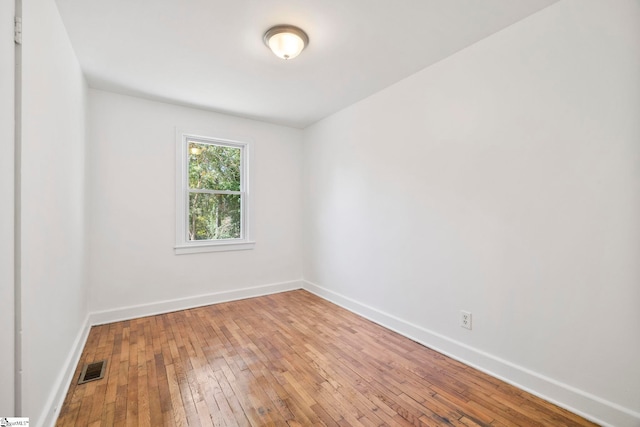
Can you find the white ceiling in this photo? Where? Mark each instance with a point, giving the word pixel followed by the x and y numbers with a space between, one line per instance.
pixel 209 53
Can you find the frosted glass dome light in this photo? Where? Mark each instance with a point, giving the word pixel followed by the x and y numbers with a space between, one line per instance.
pixel 286 41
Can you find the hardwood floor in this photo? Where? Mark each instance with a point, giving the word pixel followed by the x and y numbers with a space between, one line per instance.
pixel 286 359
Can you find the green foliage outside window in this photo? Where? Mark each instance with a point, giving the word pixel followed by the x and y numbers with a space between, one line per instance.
pixel 214 169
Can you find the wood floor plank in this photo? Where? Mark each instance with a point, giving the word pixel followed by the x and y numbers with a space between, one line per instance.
pixel 177 407
pixel 290 359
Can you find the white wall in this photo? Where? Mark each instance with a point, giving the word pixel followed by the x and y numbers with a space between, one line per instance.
pixel 131 177
pixel 6 207
pixel 52 206
pixel 504 180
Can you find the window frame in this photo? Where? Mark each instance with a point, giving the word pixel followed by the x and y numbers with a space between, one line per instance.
pixel 183 244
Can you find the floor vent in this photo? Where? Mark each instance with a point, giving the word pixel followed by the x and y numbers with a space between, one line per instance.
pixel 92 371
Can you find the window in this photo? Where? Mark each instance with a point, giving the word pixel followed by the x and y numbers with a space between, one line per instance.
pixel 211 194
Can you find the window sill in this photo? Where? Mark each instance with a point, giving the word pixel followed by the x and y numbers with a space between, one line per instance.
pixel 196 248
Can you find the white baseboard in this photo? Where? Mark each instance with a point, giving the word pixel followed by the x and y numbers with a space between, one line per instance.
pixel 577 401
pixel 52 408
pixel 135 311
pixel 54 404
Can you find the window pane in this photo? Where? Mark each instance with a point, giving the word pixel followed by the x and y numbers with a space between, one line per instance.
pixel 214 167
pixel 214 216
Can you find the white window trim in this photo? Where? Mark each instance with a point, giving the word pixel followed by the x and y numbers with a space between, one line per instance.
pixel 185 246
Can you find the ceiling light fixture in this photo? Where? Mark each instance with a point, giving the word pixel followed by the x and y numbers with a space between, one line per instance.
pixel 286 41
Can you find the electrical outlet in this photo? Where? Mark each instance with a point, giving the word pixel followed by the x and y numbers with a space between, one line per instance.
pixel 465 319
